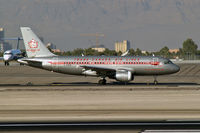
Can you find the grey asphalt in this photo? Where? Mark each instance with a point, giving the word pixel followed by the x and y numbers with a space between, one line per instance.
pixel 30 94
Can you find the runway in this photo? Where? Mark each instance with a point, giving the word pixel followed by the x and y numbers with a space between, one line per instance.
pixel 77 104
pixel 34 95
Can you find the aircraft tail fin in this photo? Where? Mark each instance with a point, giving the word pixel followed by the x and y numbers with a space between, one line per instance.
pixel 33 45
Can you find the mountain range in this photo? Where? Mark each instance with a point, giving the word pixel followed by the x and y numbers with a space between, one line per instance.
pixel 148 24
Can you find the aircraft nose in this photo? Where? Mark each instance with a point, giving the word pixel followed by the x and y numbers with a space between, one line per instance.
pixel 7 57
pixel 176 68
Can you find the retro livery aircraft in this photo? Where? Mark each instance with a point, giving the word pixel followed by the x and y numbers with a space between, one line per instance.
pixel 120 68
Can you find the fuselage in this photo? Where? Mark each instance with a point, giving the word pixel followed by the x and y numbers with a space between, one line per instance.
pixel 120 68
pixel 76 65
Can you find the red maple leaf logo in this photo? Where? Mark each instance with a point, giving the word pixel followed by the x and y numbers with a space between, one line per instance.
pixel 33 44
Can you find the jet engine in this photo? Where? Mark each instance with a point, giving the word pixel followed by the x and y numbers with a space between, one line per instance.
pixel 124 76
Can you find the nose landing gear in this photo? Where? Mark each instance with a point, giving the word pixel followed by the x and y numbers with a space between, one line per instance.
pixel 155 80
pixel 6 63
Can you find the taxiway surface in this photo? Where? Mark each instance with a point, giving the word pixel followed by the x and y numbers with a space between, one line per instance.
pixel 30 94
pixel 23 75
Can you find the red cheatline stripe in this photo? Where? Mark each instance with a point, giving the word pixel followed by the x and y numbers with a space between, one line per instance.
pixel 140 63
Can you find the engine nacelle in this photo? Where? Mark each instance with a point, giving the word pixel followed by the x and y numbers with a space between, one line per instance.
pixel 89 73
pixel 124 76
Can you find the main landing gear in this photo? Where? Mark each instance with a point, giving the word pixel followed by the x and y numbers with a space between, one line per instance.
pixel 155 80
pixel 102 81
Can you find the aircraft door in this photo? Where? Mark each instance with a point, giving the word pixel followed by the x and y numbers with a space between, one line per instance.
pixel 54 64
pixel 155 62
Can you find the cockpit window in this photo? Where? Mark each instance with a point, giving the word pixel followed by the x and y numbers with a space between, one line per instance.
pixel 7 53
pixel 168 62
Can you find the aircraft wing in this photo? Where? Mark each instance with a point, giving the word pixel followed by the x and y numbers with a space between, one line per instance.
pixel 1 58
pixel 98 69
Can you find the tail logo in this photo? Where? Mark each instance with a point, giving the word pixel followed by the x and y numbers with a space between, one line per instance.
pixel 33 44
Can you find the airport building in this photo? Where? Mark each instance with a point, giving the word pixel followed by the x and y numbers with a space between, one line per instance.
pixel 1 32
pixel 51 46
pixel 4 45
pixel 100 48
pixel 122 46
pixel 173 50
pixel 144 52
pixel 56 50
pixel 1 41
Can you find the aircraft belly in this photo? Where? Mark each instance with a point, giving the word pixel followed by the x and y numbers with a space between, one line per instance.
pixel 67 69
pixel 46 67
pixel 70 69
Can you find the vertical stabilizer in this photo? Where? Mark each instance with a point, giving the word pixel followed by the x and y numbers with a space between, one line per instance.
pixel 33 45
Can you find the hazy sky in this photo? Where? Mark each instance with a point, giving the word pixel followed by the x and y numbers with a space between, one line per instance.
pixel 148 24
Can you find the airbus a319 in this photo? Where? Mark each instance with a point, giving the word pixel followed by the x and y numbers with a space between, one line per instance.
pixel 120 68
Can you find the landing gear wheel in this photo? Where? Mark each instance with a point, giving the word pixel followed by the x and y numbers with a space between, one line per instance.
pixel 102 82
pixel 155 82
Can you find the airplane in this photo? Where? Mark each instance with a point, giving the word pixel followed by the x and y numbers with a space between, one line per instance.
pixel 120 68
pixel 12 54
